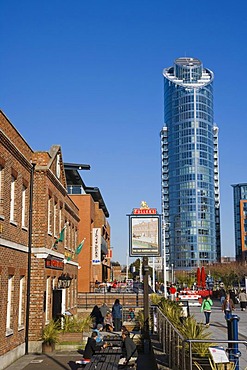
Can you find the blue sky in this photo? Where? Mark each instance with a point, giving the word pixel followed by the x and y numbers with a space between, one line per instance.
pixel 88 75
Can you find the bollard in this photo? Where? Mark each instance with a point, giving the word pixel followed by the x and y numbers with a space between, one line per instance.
pixel 146 345
pixel 232 330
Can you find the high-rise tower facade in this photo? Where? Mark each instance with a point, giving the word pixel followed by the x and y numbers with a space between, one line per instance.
pixel 240 220
pixel 190 182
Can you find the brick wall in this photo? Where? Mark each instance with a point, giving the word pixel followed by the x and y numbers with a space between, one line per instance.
pixel 15 160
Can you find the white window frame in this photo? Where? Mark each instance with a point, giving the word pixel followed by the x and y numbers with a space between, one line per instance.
pixel 1 190
pixel 55 208
pixel 9 329
pixel 49 215
pixel 24 206
pixel 12 198
pixel 21 303
pixel 47 306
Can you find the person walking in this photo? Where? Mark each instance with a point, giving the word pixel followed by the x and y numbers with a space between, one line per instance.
pixel 228 306
pixel 117 315
pixel 242 299
pixel 222 295
pixel 206 308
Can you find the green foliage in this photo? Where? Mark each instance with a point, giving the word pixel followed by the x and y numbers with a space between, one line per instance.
pixel 50 333
pixel 155 298
pixel 185 278
pixel 190 328
pixel 73 324
pixel 193 330
pixel 228 273
pixel 171 310
pixel 140 318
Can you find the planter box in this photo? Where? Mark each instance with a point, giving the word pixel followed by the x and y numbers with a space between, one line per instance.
pixel 70 337
pixel 132 325
pixel 48 348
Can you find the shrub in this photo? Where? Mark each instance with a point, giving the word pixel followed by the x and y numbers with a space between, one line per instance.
pixel 50 333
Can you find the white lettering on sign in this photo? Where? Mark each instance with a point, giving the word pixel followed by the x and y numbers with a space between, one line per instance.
pixel 96 247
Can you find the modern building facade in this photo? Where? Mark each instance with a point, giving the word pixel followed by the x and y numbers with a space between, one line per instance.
pixel 190 176
pixel 240 220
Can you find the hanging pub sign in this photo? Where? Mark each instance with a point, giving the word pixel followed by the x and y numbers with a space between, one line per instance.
pixel 96 246
pixel 145 232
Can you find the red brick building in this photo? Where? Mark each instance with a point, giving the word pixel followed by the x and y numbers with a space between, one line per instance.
pixel 94 231
pixel 38 242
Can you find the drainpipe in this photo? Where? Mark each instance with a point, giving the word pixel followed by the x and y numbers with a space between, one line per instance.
pixel 30 223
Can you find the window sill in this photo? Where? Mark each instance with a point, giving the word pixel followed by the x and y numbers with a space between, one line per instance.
pixel 24 228
pixel 14 223
pixel 2 217
pixel 21 327
pixel 9 332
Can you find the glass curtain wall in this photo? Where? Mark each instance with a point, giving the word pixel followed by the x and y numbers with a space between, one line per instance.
pixel 188 192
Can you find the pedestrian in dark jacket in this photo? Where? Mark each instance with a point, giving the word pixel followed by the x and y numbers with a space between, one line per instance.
pixel 222 294
pixel 91 346
pixel 130 351
pixel 96 316
pixel 117 315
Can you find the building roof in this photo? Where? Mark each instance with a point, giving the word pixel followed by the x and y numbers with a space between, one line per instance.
pixel 74 178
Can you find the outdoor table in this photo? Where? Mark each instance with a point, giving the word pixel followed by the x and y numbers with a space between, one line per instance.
pixel 115 340
pixel 107 359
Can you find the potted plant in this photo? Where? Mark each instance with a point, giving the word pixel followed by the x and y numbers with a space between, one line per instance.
pixel 50 336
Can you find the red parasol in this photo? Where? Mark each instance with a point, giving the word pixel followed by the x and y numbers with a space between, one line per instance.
pixel 203 277
pixel 198 277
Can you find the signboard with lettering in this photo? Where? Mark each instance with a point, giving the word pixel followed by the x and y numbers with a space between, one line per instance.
pixel 144 231
pixel 96 247
pixel 54 263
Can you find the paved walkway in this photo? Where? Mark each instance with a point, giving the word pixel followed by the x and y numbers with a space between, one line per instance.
pixel 66 360
pixel 218 327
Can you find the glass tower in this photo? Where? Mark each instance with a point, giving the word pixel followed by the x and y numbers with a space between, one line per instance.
pixel 189 151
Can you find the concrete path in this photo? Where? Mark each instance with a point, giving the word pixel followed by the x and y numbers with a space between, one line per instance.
pixel 66 361
pixel 218 327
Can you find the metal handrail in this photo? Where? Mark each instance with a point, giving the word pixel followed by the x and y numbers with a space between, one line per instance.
pixel 174 344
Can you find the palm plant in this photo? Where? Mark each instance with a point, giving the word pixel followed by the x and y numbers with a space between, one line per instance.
pixel 77 325
pixel 171 310
pixel 155 298
pixel 50 333
pixel 192 330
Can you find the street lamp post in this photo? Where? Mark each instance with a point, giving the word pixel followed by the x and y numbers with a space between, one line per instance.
pixel 153 275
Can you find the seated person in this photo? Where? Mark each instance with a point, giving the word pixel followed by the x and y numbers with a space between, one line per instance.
pixel 90 349
pixel 129 349
pixel 108 323
pixel 99 339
